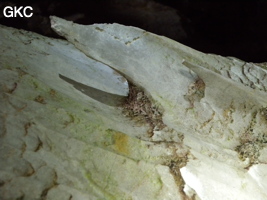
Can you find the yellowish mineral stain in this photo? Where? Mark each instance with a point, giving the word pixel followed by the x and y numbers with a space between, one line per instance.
pixel 121 143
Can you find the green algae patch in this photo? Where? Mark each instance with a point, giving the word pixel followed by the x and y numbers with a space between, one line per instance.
pixel 99 191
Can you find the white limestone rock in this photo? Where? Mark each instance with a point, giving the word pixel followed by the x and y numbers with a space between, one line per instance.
pixel 192 127
pixel 218 104
pixel 59 143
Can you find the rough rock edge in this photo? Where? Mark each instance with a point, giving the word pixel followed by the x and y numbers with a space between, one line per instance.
pixel 250 143
pixel 139 108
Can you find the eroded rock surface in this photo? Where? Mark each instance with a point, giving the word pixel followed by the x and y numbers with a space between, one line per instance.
pixel 192 127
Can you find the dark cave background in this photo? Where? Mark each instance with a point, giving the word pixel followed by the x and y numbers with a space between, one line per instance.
pixel 229 28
